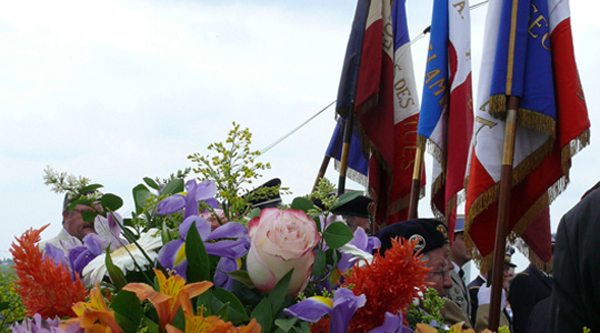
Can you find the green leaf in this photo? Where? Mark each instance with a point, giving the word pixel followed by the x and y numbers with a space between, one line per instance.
pixel 237 313
pixel 141 194
pixel 174 186
pixel 165 236
pixel 4 306
pixel 116 275
pixel 320 265
pixel 152 326
pixel 243 277
pixel 111 202
pixel 337 234
pixel 317 220
pixel 277 294
pixel 88 216
pixel 128 311
pixel 90 188
pixel 223 312
pixel 345 198
pixel 198 269
pixel 263 314
pixel 150 182
pixel 286 324
pixel 254 213
pixel 302 204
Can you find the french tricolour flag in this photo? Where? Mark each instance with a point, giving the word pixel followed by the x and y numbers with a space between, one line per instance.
pixel 529 54
pixel 446 120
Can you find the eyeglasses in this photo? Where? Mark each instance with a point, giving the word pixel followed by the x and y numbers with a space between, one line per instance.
pixel 443 273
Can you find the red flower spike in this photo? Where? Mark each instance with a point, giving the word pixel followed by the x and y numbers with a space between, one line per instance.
pixel 45 288
pixel 390 284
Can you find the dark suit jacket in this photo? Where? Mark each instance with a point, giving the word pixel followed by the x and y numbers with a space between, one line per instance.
pixel 526 290
pixel 576 294
pixel 473 290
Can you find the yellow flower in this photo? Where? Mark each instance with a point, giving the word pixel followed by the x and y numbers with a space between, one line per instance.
pixel 212 324
pixel 173 293
pixel 95 316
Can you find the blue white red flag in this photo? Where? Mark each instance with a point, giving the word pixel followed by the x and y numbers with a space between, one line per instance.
pixel 528 54
pixel 358 163
pixel 385 103
pixel 446 119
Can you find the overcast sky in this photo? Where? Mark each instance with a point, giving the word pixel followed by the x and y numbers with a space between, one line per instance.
pixel 120 90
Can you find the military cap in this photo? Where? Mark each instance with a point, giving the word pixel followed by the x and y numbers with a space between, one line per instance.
pixel 430 234
pixel 360 206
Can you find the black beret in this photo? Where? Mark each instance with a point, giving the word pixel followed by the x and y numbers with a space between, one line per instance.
pixel 360 206
pixel 430 234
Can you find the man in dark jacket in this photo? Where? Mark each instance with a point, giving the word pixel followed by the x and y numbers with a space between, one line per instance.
pixel 576 294
pixel 526 290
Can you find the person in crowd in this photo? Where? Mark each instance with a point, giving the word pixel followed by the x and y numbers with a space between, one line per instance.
pixel 459 256
pixel 507 275
pixel 433 243
pixel 357 213
pixel 526 290
pixel 576 292
pixel 73 225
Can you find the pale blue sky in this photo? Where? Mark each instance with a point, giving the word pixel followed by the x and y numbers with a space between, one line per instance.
pixel 120 90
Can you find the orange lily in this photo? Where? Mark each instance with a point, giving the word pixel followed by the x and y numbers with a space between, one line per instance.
pixel 173 294
pixel 213 324
pixel 95 316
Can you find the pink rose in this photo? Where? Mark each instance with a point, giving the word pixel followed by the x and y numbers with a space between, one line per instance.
pixel 281 240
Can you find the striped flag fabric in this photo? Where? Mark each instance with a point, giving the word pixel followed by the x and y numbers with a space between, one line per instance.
pixel 384 101
pixel 528 54
pixel 358 160
pixel 446 118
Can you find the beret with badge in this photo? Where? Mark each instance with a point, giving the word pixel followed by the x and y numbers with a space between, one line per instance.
pixel 430 234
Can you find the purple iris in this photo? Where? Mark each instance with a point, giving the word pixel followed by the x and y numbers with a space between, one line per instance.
pixel 340 309
pixel 195 193
pixel 361 241
pixel 392 324
pixel 108 232
pixel 229 241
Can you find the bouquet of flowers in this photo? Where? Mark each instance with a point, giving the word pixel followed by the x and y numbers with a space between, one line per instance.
pixel 187 262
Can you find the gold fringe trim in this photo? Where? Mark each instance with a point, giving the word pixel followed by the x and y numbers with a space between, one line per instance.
pixel 525 118
pixel 498 106
pixel 536 121
pixel 574 147
pixel 531 162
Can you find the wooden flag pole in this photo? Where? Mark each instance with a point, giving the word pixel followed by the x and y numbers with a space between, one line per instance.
pixel 413 204
pixel 322 171
pixel 348 125
pixel 503 212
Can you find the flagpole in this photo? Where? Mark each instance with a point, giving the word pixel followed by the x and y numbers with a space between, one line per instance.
pixel 503 212
pixel 322 171
pixel 413 204
pixel 348 124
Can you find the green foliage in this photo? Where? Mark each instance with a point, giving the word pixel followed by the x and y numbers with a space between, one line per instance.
pixel 233 165
pixel 433 304
pixel 13 311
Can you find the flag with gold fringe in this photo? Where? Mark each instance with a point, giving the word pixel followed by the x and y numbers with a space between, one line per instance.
pixel 446 118
pixel 528 54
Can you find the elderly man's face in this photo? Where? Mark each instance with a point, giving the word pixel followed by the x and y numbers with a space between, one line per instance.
pixel 74 224
pixel 439 276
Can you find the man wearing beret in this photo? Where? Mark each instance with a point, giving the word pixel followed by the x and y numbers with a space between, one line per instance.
pixel 432 241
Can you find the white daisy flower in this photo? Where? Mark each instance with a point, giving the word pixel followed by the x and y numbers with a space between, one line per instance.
pixel 123 257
